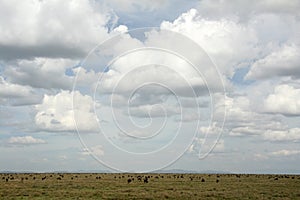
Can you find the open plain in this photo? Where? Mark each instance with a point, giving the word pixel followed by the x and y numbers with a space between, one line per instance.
pixel 148 186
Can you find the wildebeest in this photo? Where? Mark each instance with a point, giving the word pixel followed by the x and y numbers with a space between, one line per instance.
pixel 146 180
pixel 139 178
pixel 129 180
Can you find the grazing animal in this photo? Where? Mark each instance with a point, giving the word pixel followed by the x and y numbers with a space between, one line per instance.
pixel 129 180
pixel 146 180
pixel 43 178
pixel 139 178
pixel 202 180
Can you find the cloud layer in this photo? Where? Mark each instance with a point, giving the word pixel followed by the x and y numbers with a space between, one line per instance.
pixel 48 89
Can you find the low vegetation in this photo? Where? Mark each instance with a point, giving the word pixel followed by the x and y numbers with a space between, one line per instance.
pixel 149 186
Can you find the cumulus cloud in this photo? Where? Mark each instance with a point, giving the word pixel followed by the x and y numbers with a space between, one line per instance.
pixel 158 68
pixel 268 43
pixel 46 28
pixel 245 131
pixel 41 73
pixel 96 151
pixel 244 119
pixel 40 44
pixel 288 135
pixel 25 140
pixel 280 154
pixel 14 94
pixel 283 62
pixel 284 100
pixel 85 78
pixel 56 113
pixel 238 111
pixel 227 35
pixel 213 129
pixel 13 90
pixel 200 145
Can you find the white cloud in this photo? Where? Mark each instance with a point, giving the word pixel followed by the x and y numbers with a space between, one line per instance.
pixel 120 29
pixel 285 152
pixel 281 154
pixel 238 111
pixel 244 131
pixel 57 114
pixel 169 71
pixel 268 43
pixel 14 94
pixel 156 110
pixel 48 73
pixel 25 140
pixel 219 38
pixel 245 118
pixel 245 9
pixel 289 135
pixel 132 5
pixel 213 129
pixel 283 62
pixel 96 151
pixel 200 145
pixel 285 100
pixel 85 78
pixel 8 90
pixel 51 28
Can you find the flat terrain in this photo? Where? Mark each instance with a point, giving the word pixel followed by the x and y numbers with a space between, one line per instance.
pixel 155 186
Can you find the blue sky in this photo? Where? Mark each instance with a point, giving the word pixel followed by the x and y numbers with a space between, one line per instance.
pixel 215 86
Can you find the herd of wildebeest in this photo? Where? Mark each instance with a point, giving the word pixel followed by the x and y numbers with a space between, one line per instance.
pixel 129 178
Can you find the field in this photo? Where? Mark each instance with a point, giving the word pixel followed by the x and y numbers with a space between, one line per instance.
pixel 149 186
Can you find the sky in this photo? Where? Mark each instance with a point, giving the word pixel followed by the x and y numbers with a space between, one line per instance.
pixel 138 86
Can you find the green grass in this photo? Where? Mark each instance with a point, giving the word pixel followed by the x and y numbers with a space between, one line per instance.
pixel 160 186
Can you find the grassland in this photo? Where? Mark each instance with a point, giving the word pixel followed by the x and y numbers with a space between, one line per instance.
pixel 155 186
